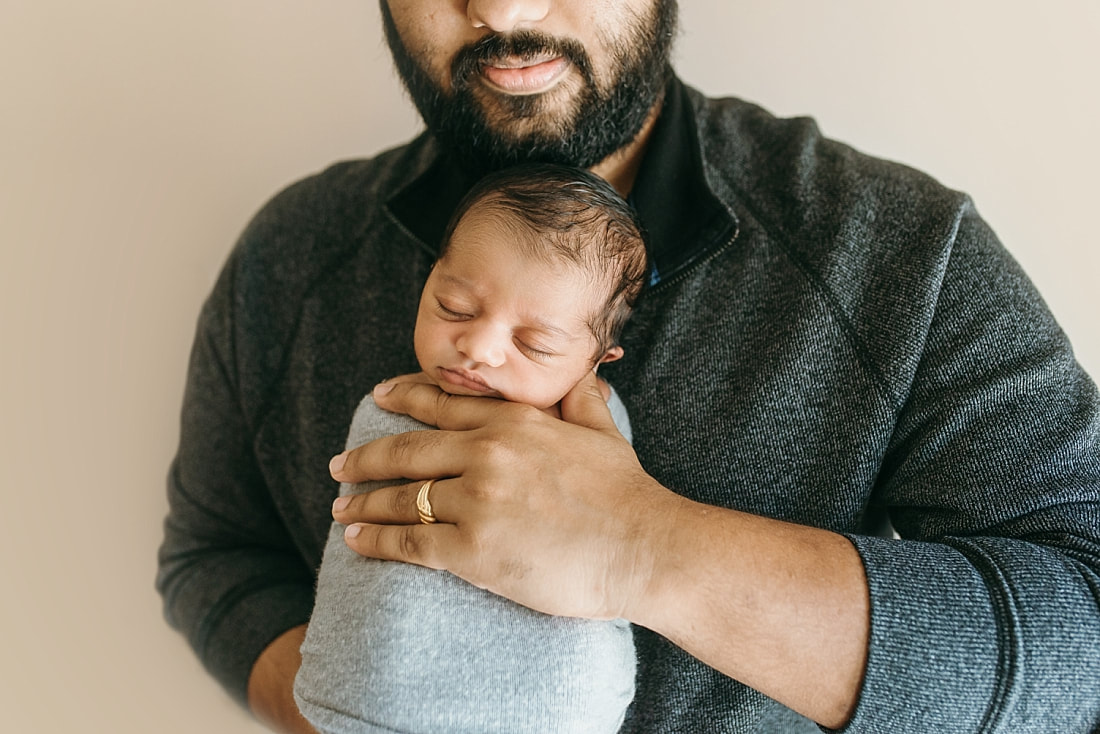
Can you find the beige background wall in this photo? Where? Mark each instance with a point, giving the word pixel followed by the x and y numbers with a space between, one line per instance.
pixel 137 137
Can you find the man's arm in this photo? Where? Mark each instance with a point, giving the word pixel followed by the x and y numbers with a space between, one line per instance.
pixel 778 606
pixel 230 576
pixel 271 684
pixel 969 630
pixel 985 614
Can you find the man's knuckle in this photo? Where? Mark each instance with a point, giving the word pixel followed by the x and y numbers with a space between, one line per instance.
pixel 479 492
pixel 413 545
pixel 398 503
pixel 442 405
pixel 401 447
pixel 524 413
pixel 494 449
pixel 351 462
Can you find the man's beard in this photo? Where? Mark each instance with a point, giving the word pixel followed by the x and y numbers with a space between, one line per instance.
pixel 600 121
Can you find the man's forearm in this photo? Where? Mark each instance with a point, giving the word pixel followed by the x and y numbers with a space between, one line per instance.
pixel 780 607
pixel 271 684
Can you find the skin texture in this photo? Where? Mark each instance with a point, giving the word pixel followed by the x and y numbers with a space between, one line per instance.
pixel 557 514
pixel 497 323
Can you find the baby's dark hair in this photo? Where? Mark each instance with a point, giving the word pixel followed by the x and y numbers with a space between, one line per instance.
pixel 572 215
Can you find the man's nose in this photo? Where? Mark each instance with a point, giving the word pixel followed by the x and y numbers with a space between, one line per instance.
pixel 482 344
pixel 505 16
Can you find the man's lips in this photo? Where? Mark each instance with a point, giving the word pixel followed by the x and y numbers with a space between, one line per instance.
pixel 524 76
pixel 465 379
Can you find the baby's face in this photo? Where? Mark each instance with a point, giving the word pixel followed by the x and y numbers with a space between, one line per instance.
pixel 495 322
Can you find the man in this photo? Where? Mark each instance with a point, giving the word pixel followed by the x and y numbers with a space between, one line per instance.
pixel 829 341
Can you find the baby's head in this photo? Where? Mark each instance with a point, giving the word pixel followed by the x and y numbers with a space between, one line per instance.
pixel 537 275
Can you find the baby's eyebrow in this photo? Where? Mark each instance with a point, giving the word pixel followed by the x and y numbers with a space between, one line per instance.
pixel 550 329
pixel 455 280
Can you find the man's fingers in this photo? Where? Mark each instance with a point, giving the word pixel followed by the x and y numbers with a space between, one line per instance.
pixel 424 545
pixel 423 454
pixel 412 377
pixel 428 404
pixel 396 505
pixel 413 455
pixel 585 405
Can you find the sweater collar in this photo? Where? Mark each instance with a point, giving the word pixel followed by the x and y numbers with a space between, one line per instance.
pixel 682 215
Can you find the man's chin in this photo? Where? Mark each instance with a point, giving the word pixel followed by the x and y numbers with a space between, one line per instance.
pixel 485 130
pixel 520 117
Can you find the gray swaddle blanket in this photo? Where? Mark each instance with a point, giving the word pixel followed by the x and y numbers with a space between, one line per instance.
pixel 393 647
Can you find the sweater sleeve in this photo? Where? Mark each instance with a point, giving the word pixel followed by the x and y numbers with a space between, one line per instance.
pixel 230 577
pixel 985 615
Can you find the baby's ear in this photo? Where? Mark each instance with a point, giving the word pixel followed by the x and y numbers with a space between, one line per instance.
pixel 615 353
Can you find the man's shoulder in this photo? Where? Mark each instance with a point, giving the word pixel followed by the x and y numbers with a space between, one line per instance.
pixel 316 225
pixel 751 149
pixel 300 246
pixel 330 207
pixel 872 236
pixel 805 189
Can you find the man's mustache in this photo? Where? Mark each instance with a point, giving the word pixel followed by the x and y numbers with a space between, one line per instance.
pixel 522 44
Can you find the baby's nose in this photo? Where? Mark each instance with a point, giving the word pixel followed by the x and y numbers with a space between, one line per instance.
pixel 483 345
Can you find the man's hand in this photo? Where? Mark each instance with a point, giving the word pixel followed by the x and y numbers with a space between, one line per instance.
pixel 550 513
pixel 558 515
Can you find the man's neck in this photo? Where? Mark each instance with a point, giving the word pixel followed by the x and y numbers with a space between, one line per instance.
pixel 620 169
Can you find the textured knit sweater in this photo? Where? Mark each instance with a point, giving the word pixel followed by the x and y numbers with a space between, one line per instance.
pixel 835 340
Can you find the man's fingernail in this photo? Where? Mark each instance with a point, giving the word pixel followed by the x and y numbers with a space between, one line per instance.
pixel 352 531
pixel 337 463
pixel 341 504
pixel 382 388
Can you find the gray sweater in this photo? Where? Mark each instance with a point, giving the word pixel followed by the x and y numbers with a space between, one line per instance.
pixel 835 340
pixel 392 647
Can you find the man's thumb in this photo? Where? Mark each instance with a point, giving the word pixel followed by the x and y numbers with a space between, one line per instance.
pixel 586 404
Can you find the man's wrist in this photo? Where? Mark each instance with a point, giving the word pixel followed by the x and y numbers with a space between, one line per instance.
pixel 652 556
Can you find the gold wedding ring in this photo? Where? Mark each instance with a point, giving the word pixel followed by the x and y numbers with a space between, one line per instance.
pixel 423 506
